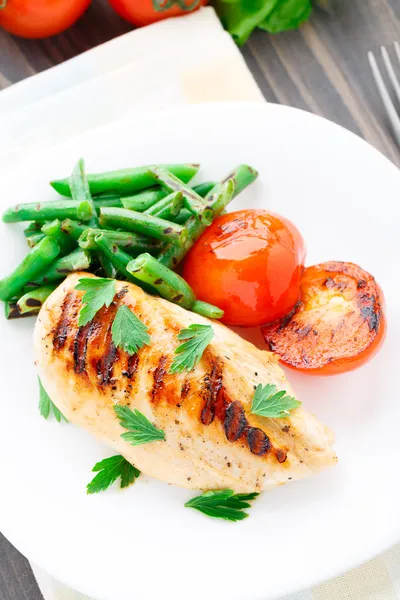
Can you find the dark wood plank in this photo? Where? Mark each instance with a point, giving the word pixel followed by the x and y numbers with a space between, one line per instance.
pixel 322 69
pixel 16 578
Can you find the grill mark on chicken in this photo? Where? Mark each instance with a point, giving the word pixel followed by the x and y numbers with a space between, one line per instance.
pixel 158 377
pixel 81 341
pixel 212 386
pixel 132 366
pixel 107 353
pixel 110 357
pixel 62 327
pixel 258 441
pixel 235 421
pixel 185 388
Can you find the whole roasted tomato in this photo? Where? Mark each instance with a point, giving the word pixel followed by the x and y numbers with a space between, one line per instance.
pixel 249 263
pixel 144 12
pixel 40 18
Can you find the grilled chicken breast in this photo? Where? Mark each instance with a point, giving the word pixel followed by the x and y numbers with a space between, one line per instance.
pixel 212 439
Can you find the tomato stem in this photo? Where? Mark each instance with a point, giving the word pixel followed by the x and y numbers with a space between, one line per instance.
pixel 3 4
pixel 162 5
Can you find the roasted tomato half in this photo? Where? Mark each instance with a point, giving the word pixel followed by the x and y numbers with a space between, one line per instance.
pixel 337 325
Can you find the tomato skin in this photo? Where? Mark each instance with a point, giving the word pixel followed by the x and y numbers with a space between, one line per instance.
pixel 249 263
pixel 338 325
pixel 40 18
pixel 143 12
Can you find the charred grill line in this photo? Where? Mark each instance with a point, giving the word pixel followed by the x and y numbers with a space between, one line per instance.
pixel 258 441
pixel 132 367
pixel 185 388
pixel 158 376
pixel 61 331
pixel 212 386
pixel 110 357
pixel 235 421
pixel 80 346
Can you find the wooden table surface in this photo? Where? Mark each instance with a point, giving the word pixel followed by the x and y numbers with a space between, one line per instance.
pixel 322 69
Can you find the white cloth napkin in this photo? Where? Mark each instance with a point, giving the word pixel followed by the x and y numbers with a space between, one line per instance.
pixel 175 62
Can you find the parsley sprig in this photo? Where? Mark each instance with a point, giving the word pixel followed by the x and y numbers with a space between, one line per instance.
pixel 99 292
pixel 108 471
pixel 46 406
pixel 128 331
pixel 222 504
pixel 140 429
pixel 268 402
pixel 190 352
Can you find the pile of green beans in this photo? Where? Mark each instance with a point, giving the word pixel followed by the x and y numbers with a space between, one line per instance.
pixel 134 224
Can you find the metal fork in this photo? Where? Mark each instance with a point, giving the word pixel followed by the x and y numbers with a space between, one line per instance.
pixel 382 89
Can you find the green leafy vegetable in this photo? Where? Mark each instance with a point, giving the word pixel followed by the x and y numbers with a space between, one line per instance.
pixel 268 402
pixel 99 292
pixel 241 17
pixel 46 406
pixel 140 429
pixel 108 471
pixel 128 332
pixel 190 352
pixel 222 504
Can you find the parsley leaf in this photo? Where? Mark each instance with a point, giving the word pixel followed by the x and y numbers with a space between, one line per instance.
pixel 109 470
pixel 46 406
pixel 140 429
pixel 128 332
pixel 268 402
pixel 98 292
pixel 222 504
pixel 190 352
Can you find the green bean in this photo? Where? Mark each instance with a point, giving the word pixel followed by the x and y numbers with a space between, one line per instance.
pixel 33 300
pixel 33 265
pixel 131 242
pixel 192 201
pixel 80 189
pixel 119 259
pixel 183 216
pixel 109 269
pixel 65 241
pixel 34 239
pixel 171 256
pixel 203 188
pixel 73 228
pixel 167 208
pixel 106 200
pixel 143 200
pixel 32 228
pixel 130 220
pixel 126 181
pixel 218 198
pixel 167 283
pixel 47 211
pixel 207 310
pixel 78 260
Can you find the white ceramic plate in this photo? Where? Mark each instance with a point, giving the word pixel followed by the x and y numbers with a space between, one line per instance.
pixel 141 542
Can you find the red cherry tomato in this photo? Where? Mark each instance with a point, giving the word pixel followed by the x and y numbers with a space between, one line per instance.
pixel 40 18
pixel 337 326
pixel 145 12
pixel 249 263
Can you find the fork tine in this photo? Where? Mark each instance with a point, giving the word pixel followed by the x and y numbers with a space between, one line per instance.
pixel 390 71
pixel 386 99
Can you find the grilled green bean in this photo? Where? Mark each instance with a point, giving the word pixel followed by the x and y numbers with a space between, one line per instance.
pixel 167 208
pixel 172 256
pixel 130 220
pixel 192 200
pixel 80 189
pixel 32 228
pixel 33 300
pixel 33 265
pixel 65 241
pixel 131 242
pixel 34 239
pixel 73 228
pixel 207 310
pixel 126 181
pixel 144 200
pixel 78 260
pixel 167 283
pixel 48 211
